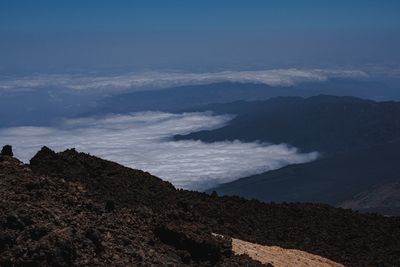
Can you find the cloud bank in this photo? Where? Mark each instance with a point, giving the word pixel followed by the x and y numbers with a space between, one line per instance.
pixel 143 141
pixel 158 80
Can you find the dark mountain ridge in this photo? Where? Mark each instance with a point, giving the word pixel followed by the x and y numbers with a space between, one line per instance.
pixel 328 124
pixel 71 208
pixel 359 141
pixel 333 179
pixel 188 96
pixel 46 106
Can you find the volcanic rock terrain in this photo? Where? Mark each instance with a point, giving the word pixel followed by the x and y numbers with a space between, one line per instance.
pixel 74 209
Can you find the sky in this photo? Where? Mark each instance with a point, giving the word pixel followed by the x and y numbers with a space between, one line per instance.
pixel 197 35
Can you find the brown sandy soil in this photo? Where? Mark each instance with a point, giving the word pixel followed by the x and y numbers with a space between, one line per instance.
pixel 280 257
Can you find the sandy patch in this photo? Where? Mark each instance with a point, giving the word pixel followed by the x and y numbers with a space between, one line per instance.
pixel 280 257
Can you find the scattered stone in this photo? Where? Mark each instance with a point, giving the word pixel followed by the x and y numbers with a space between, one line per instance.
pixel 13 222
pixel 95 236
pixel 62 255
pixel 110 206
pixel 37 233
pixel 202 247
pixel 214 194
pixel 5 240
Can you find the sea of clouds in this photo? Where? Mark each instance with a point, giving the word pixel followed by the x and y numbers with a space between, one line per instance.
pixel 144 141
pixel 158 80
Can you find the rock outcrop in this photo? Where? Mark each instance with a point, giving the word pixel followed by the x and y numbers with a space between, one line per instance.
pixel 7 151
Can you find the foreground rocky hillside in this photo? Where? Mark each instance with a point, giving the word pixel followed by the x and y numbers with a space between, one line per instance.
pixel 71 208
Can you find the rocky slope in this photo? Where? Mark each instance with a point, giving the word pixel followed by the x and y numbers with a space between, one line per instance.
pixel 333 180
pixel 384 199
pixel 61 222
pixel 71 208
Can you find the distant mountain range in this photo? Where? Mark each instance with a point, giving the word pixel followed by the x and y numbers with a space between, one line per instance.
pixel 183 97
pixel 359 141
pixel 48 105
pixel 327 124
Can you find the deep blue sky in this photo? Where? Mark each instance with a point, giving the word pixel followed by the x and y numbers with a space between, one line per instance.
pixel 56 35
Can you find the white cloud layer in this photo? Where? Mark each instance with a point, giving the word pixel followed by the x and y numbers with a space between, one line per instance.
pixel 143 141
pixel 157 80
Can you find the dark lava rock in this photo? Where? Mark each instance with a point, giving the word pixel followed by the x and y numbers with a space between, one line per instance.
pixel 38 233
pixel 58 219
pixel 62 255
pixel 110 206
pixel 5 240
pixel 7 151
pixel 52 213
pixel 13 222
pixel 202 247
pixel 95 236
